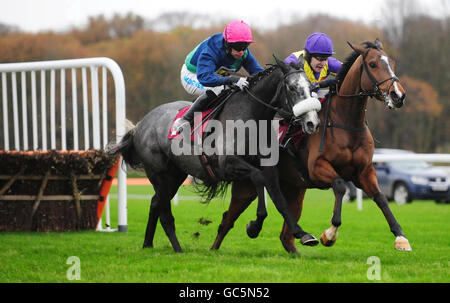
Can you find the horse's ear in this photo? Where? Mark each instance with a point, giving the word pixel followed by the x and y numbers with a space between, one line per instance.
pixel 284 67
pixel 378 44
pixel 357 48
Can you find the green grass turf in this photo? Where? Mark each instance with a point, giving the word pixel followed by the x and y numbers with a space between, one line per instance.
pixel 119 257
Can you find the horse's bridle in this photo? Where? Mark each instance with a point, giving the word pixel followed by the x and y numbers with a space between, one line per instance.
pixel 285 114
pixel 377 93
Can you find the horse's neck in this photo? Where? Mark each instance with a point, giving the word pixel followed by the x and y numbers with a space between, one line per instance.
pixel 266 91
pixel 351 111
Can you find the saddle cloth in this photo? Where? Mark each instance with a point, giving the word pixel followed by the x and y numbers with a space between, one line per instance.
pixel 199 131
pixel 297 137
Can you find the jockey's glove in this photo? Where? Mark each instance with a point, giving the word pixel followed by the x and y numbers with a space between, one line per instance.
pixel 328 83
pixel 240 82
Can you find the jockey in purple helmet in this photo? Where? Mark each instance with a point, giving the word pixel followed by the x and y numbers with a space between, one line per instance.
pixel 207 68
pixel 318 65
pixel 316 58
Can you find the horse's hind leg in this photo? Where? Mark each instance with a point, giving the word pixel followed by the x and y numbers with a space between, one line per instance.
pixel 242 194
pixel 166 185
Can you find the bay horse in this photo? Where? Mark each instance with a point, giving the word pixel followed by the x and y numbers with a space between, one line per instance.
pixel 341 151
pixel 280 88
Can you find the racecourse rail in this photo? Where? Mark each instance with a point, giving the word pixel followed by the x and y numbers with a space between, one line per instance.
pixel 91 116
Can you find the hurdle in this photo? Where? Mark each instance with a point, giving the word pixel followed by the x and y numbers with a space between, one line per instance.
pixel 67 134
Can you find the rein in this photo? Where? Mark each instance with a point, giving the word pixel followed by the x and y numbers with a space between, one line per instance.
pixel 284 114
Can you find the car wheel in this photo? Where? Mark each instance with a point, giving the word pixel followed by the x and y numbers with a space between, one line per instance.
pixel 401 194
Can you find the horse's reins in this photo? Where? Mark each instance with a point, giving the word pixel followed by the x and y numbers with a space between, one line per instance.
pixel 377 93
pixel 284 114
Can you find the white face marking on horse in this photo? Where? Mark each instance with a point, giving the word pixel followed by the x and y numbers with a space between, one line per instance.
pixel 385 59
pixel 304 84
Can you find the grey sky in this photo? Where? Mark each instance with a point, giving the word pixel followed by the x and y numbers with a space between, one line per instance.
pixel 39 15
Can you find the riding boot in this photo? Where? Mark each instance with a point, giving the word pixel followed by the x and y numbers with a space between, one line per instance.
pixel 198 106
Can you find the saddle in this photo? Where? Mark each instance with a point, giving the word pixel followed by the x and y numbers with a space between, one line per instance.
pixel 198 128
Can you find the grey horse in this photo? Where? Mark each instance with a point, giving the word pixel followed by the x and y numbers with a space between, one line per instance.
pixel 280 88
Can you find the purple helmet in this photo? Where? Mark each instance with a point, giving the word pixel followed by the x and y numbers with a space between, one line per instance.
pixel 319 43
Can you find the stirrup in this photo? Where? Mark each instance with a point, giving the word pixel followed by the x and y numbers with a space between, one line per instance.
pixel 180 124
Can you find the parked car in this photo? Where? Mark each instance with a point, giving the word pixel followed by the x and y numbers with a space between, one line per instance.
pixel 405 181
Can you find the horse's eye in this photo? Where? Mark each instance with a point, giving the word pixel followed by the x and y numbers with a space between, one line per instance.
pixel 372 64
pixel 291 88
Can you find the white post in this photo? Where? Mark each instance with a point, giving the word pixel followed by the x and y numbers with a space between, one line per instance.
pixel 5 112
pixel 52 111
pixel 85 109
pixel 43 111
pixel 95 108
pixel 359 198
pixel 175 199
pixel 75 109
pixel 34 110
pixel 63 109
pixel 24 111
pixel 15 112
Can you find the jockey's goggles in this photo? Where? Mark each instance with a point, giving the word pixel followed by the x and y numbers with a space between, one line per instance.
pixel 239 46
pixel 320 57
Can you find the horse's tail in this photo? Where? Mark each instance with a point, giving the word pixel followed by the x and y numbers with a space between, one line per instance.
pixel 126 146
pixel 210 189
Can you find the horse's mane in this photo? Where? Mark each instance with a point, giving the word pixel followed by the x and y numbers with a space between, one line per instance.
pixel 348 62
pixel 254 79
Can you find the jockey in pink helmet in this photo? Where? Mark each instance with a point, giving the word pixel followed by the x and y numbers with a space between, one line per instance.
pixel 207 67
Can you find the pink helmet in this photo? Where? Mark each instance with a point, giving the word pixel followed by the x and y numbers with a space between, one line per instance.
pixel 237 31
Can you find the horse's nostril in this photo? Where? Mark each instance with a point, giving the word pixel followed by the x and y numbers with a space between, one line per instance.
pixel 309 124
pixel 394 96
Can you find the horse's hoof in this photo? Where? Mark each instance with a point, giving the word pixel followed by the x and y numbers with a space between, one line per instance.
pixel 309 240
pixel 329 236
pixel 325 241
pixel 253 230
pixel 147 245
pixel 402 244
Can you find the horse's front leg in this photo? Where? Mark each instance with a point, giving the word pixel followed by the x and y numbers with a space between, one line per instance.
pixel 369 183
pixel 242 194
pixel 254 227
pixel 324 172
pixel 329 236
pixel 271 180
pixel 294 195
